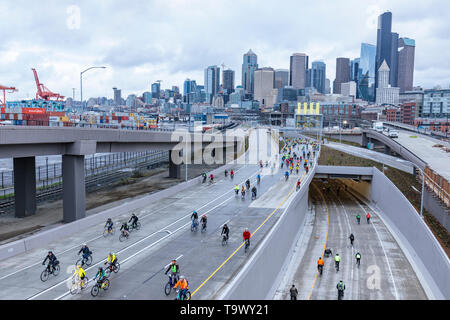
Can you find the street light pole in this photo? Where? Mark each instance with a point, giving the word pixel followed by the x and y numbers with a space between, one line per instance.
pixel 81 82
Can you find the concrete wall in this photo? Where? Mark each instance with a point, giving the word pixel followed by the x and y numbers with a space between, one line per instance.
pixel 356 138
pixel 424 252
pixel 363 188
pixel 262 270
pixel 439 211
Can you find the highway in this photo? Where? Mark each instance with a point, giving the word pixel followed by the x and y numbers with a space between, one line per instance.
pixel 165 234
pixel 384 272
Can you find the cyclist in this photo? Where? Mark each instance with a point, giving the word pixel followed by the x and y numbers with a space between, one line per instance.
pixel 320 265
pixel 247 183
pixel 246 235
pixel 79 272
pixel 298 184
pixel 184 287
pixel 236 189
pixel 211 178
pixel 341 287
pixel 125 229
pixel 86 252
pixel 358 218
pixel 135 219
pixel 203 220
pixel 296 168
pixel 368 217
pixel 194 218
pixel 204 177
pixel 109 224
pixel 352 238
pixel 225 231
pixel 286 174
pixel 101 276
pixel 358 258
pixel 337 259
pixel 258 178
pixel 174 268
pixel 112 259
pixel 243 191
pixel 232 174
pixel 226 173
pixel 254 190
pixel 52 261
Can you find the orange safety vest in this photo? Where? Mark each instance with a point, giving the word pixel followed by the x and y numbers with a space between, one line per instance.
pixel 320 262
pixel 183 284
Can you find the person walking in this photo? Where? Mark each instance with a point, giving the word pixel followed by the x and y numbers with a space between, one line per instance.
pixel 294 292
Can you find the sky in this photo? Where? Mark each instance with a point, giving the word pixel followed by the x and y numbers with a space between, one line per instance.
pixel 141 41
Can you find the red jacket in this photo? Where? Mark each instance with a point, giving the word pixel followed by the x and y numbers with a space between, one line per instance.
pixel 246 235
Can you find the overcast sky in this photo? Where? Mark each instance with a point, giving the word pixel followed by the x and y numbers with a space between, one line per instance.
pixel 141 41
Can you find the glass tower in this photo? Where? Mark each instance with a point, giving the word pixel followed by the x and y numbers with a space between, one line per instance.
pixel 249 65
pixel 366 81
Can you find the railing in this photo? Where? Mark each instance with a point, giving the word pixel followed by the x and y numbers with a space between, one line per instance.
pixel 438 184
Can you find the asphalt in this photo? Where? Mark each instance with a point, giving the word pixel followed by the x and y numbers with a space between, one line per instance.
pixel 384 273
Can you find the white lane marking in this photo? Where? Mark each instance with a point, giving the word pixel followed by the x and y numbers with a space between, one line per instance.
pixel 99 237
pixel 382 247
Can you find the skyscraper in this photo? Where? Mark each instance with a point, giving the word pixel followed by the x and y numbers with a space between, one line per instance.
pixel 156 90
pixel 297 70
pixel 366 81
pixel 386 94
pixel 281 78
pixel 117 96
pixel 405 75
pixel 264 84
pixel 342 74
pixel 228 81
pixel 387 44
pixel 212 82
pixel 318 75
pixel 249 65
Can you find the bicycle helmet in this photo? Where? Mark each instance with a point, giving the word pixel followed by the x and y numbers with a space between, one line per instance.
pixel 195 212
pixel 50 252
pixel 181 277
pixel 100 269
pixel 84 245
pixel 204 215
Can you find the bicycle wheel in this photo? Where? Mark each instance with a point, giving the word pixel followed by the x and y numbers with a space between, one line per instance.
pixel 107 272
pixel 79 262
pixel 224 241
pixel 188 295
pixel 88 261
pixel 74 288
pixel 56 270
pixel 106 284
pixel 94 290
pixel 116 268
pixel 44 275
pixel 84 283
pixel 138 225
pixel 105 233
pixel 122 238
pixel 168 288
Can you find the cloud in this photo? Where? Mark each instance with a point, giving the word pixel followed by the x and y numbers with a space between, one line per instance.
pixel 143 41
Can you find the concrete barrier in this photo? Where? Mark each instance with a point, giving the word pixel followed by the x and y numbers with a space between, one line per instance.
pixel 424 252
pixel 259 277
pixel 44 237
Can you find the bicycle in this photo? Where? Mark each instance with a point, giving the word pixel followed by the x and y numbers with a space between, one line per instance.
pixel 194 226
pixel 224 240
pixel 340 294
pixel 358 262
pixel 112 268
pixel 54 270
pixel 336 265
pixel 203 227
pixel 133 226
pixel 84 261
pixel 253 195
pixel 78 284
pixel 97 287
pixel 108 232
pixel 243 195
pixel 123 236
pixel 169 285
pixel 187 295
pixel 247 245
pixel 320 267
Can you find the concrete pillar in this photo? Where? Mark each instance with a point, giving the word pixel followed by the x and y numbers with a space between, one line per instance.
pixel 24 186
pixel 387 150
pixel 74 190
pixel 365 140
pixel 174 169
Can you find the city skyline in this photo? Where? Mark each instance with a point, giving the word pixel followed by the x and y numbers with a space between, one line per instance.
pixel 60 53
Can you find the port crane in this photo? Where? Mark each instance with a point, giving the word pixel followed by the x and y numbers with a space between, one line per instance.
pixel 43 92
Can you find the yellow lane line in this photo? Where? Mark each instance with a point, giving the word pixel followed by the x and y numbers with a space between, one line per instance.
pixel 223 263
pixel 326 238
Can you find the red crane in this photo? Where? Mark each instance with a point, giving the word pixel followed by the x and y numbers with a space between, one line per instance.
pixel 43 91
pixel 4 89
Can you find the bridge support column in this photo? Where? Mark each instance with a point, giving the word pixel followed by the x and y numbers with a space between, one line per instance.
pixel 25 186
pixel 387 150
pixel 174 169
pixel 365 140
pixel 74 190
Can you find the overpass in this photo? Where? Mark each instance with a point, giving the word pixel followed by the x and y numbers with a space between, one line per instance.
pixel 23 144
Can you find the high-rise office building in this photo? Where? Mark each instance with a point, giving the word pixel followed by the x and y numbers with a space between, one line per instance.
pixel 386 94
pixel 342 74
pixel 327 86
pixel 249 65
pixel 405 64
pixel 366 82
pixel 281 78
pixel 212 82
pixel 298 70
pixel 228 81
pixel 394 60
pixel 156 90
pixel 117 96
pixel 317 76
pixel 264 85
pixel 147 97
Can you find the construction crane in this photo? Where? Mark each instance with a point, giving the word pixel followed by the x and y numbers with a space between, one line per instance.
pixel 43 92
pixel 4 89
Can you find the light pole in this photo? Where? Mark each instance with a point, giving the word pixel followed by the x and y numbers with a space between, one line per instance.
pixel 81 82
